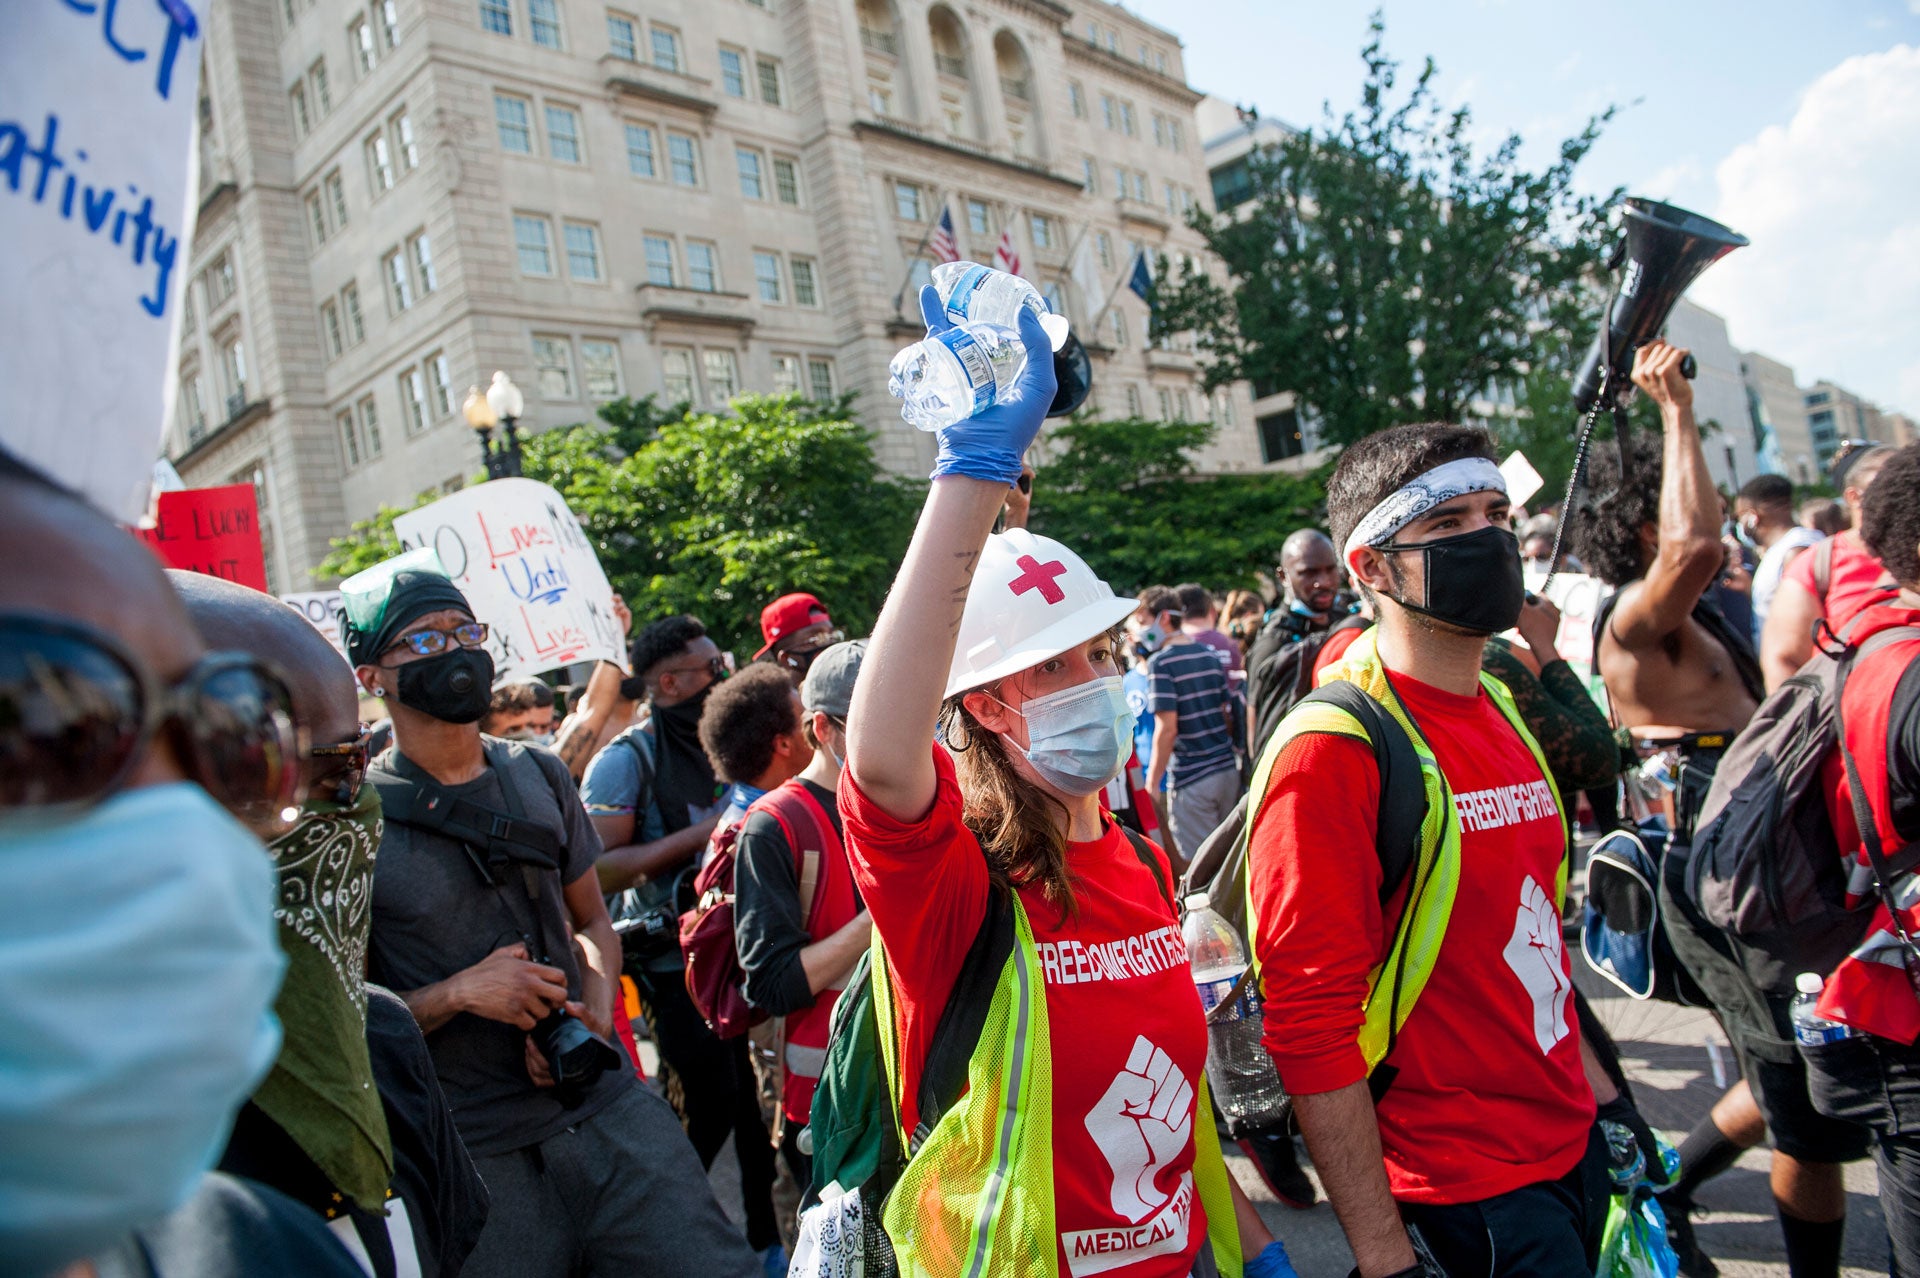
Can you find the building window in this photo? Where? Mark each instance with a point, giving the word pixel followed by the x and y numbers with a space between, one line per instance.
pixel 768 70
pixel 676 375
pixel 317 218
pixel 439 385
pixel 389 11
pixel 1279 435
pixel 665 42
pixel 543 19
pixel 413 402
pixel 620 37
pixel 1176 135
pixel 1117 319
pixel 193 409
pixel 723 374
pixel 330 328
pixel 600 368
pixel 220 282
pixel 979 217
pixel 1127 125
pixel 751 186
pixel 553 367
pixel 297 104
pixel 1040 227
pixel 906 202
pixel 356 320
pixel 563 134
pixel 1184 405
pixel 380 178
pixel 659 261
pixel 360 44
pixel 322 92
pixel 683 159
pixel 766 276
pixel 820 378
pixel 337 198
pixel 1133 401
pixel 370 428
pixel 1089 174
pixel 640 151
pixel 786 374
pixel 583 251
pixel 733 72
pixel 1103 245
pixel 393 269
pixel 514 118
pixel 1077 99
pixel 1165 397
pixel 404 145
pixel 421 253
pixel 535 244
pixel 786 180
pixel 703 267
pixel 1119 184
pixel 349 439
pixel 1173 197
pixel 1159 129
pixel 1110 112
pixel 880 100
pixel 496 16
pixel 1140 187
pixel 805 292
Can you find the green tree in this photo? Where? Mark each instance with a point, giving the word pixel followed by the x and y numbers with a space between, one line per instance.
pixel 1124 496
pixel 1385 271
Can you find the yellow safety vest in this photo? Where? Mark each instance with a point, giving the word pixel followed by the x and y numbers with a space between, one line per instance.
pixel 976 1201
pixel 1434 880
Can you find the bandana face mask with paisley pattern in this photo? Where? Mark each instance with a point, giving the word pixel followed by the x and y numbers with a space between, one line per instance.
pixel 321 1088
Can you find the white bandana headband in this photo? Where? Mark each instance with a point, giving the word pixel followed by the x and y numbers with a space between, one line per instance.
pixel 1403 506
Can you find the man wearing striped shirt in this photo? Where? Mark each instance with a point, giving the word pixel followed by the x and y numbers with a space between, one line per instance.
pixel 1191 702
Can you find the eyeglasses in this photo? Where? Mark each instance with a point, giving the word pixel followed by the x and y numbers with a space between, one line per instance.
pixel 801 659
pixel 77 713
pixel 431 643
pixel 718 666
pixel 341 785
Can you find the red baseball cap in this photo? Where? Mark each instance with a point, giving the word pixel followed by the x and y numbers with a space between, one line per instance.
pixel 787 614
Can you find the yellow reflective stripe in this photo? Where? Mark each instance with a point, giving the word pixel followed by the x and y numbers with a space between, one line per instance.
pixel 1503 697
pixel 1216 1194
pixel 1012 1091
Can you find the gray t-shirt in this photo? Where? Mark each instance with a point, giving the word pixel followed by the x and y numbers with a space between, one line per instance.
pixel 433 915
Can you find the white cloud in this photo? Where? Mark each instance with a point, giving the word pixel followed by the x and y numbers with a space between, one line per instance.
pixel 1831 202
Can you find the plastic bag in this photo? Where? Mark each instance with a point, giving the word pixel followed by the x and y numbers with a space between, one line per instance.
pixel 1634 1244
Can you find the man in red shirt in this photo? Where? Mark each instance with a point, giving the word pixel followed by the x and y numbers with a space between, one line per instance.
pixel 1478 1128
pixel 1832 581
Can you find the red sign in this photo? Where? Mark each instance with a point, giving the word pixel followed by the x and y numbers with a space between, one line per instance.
pixel 215 531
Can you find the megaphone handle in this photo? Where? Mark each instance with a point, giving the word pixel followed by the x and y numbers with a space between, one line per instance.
pixel 1687 367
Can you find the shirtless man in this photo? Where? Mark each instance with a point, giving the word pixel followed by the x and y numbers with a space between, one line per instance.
pixel 1677 672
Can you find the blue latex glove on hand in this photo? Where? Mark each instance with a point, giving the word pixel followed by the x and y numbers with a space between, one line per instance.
pixel 990 445
pixel 1272 1262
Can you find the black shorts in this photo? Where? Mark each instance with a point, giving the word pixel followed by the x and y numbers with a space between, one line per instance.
pixel 1774 1069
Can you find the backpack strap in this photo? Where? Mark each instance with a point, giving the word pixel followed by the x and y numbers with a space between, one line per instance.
pixel 810 833
pixel 1823 569
pixel 944 1076
pixel 1403 791
pixel 426 805
pixel 1884 867
pixel 1144 850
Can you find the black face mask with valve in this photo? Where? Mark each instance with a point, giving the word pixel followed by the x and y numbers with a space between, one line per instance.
pixel 1473 581
pixel 453 687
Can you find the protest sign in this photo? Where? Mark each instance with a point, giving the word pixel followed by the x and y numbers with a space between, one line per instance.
pixel 1578 597
pixel 518 554
pixel 215 531
pixel 322 609
pixel 1523 481
pixel 98 155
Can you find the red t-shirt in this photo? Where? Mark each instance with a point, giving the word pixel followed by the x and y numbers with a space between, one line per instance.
pixel 1126 1035
pixel 1335 648
pixel 1490 1094
pixel 1857 580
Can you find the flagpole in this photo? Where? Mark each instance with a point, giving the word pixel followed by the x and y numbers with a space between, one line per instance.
pixel 940 207
pixel 1094 328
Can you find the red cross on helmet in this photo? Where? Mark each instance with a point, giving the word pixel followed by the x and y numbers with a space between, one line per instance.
pixel 1031 599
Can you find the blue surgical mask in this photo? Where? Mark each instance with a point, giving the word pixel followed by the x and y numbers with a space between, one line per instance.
pixel 1079 738
pixel 138 968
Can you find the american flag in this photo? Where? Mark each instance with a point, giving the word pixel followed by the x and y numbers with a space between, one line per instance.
pixel 941 244
pixel 1007 257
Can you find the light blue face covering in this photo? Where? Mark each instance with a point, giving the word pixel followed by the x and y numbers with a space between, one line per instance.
pixel 138 968
pixel 1078 738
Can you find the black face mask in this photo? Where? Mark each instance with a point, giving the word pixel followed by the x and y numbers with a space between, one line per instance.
pixel 453 687
pixel 1474 580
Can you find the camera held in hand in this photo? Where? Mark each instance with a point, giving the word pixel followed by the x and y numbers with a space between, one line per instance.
pixel 575 1055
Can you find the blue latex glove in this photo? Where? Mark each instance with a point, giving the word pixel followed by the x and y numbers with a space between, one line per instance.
pixel 1272 1262
pixel 989 445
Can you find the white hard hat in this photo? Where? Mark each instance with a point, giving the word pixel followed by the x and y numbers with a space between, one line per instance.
pixel 1031 599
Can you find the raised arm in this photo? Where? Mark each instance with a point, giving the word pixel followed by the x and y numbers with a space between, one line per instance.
pixel 897 701
pixel 1690 554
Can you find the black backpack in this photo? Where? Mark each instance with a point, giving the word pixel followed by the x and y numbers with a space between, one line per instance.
pixel 1280 670
pixel 1766 865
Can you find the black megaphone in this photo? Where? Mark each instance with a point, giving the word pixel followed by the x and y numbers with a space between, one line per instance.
pixel 1666 249
pixel 1073 372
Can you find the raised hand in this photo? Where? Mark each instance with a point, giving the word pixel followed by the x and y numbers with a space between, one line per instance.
pixel 991 444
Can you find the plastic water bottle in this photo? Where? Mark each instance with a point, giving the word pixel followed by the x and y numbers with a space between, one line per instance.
pixel 972 292
pixel 1626 1163
pixel 951 375
pixel 1809 1026
pixel 1245 1084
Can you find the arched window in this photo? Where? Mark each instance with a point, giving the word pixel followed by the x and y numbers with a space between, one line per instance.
pixel 887 90
pixel 1017 94
pixel 953 68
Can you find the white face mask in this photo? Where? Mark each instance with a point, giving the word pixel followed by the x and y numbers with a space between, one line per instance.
pixel 1079 738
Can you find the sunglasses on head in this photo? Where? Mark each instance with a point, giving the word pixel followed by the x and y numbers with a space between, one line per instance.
pixel 78 713
pixel 431 643
pixel 341 784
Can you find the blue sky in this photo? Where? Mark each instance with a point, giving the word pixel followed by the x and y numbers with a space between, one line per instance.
pixel 1797 123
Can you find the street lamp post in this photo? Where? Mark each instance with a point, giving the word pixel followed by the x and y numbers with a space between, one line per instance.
pixel 502 406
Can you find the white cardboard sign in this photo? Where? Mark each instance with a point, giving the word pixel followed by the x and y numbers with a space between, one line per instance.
pixel 322 610
pixel 98 194
pixel 1523 481
pixel 529 572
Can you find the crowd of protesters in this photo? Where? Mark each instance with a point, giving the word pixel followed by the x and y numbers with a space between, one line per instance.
pixel 407 1038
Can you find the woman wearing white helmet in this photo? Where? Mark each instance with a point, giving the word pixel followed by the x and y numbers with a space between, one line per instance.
pixel 1083 1142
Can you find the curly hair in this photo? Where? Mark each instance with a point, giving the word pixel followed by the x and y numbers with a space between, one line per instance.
pixel 1890 516
pixel 1608 515
pixel 659 640
pixel 742 717
pixel 1373 468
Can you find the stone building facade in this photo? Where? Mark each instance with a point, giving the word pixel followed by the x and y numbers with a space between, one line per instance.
pixel 685 198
